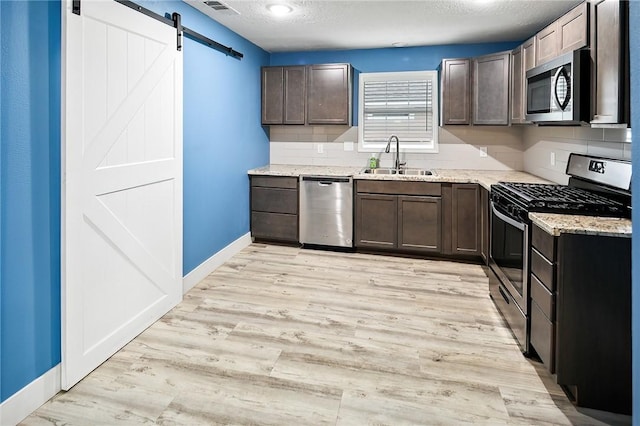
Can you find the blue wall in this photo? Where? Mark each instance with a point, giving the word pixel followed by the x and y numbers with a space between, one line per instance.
pixel 391 59
pixel 223 137
pixel 222 140
pixel 30 191
pixel 634 47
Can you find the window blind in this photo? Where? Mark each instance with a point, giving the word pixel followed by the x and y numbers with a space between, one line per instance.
pixel 398 107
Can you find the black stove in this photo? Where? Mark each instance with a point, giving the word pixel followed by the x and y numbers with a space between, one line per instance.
pixel 518 199
pixel 597 186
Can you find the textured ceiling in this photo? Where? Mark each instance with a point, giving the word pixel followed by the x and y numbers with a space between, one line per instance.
pixel 364 24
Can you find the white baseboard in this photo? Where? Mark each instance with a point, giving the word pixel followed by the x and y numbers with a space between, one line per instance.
pixel 214 262
pixel 29 398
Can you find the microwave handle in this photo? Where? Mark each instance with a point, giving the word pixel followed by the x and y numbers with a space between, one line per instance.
pixel 562 73
pixel 507 219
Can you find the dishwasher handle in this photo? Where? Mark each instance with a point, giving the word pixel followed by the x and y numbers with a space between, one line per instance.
pixel 324 180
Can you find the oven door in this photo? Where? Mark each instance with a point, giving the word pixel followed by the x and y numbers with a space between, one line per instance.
pixel 509 261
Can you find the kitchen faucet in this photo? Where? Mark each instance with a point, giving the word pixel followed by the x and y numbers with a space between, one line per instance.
pixel 397 163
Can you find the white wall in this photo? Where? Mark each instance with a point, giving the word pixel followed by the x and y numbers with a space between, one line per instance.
pixel 459 148
pixel 541 142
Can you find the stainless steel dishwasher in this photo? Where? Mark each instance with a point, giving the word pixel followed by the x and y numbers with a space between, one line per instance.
pixel 326 211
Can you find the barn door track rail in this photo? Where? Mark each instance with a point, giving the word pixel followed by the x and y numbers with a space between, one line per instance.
pixel 173 20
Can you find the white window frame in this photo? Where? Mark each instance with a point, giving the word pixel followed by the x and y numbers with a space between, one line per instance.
pixel 430 146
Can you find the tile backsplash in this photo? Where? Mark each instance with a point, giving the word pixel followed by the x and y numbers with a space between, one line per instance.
pixel 544 145
pixel 459 148
pixel 528 148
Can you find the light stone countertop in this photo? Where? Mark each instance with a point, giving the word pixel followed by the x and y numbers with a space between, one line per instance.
pixel 556 224
pixel 484 177
pixel 300 170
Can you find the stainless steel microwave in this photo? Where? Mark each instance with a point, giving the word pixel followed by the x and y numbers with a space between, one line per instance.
pixel 558 92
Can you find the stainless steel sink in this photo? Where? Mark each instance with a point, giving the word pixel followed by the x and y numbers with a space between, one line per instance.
pixel 385 171
pixel 380 171
pixel 418 172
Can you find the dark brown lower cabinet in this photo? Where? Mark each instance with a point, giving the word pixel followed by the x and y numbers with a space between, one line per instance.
pixel 419 223
pixel 581 315
pixel 274 226
pixel 462 219
pixel 398 216
pixel 274 208
pixel 484 225
pixel 422 217
pixel 376 219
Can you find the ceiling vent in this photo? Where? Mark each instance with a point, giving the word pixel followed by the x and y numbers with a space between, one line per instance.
pixel 221 8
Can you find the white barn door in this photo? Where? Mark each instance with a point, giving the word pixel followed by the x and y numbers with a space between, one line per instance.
pixel 122 180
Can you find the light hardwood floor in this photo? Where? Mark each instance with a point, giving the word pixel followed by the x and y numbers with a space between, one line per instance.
pixel 287 336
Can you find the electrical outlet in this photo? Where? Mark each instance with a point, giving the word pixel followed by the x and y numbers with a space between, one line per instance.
pixel 320 148
pixel 552 159
pixel 483 151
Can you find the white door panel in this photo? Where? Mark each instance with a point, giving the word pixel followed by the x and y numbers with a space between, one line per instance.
pixel 122 185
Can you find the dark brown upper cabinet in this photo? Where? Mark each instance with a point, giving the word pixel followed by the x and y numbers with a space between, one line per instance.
pixel 610 34
pixel 573 29
pixel 329 94
pixel 529 54
pixel 547 43
pixel 517 85
pixel 568 33
pixel 283 95
pixel 523 58
pixel 313 94
pixel 475 90
pixel 491 89
pixel 456 80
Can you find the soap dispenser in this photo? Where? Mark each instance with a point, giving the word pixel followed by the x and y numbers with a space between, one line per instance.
pixel 373 162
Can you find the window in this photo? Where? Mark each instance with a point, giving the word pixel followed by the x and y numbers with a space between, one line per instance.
pixel 404 104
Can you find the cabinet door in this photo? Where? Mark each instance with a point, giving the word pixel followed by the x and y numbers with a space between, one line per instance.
pixel 547 44
pixel 528 55
pixel 272 95
pixel 484 225
pixel 295 93
pixel 465 235
pixel 611 99
pixel 455 91
pixel 376 221
pixel 593 320
pixel 491 89
pixel 328 97
pixel 517 74
pixel 419 224
pixel 573 29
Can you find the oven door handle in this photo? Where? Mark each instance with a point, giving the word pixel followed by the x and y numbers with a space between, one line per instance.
pixel 507 219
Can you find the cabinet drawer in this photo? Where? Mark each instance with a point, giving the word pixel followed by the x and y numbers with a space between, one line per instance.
pixel 274 200
pixel 543 242
pixel 274 226
pixel 543 269
pixel 398 187
pixel 543 337
pixel 543 298
pixel 275 182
